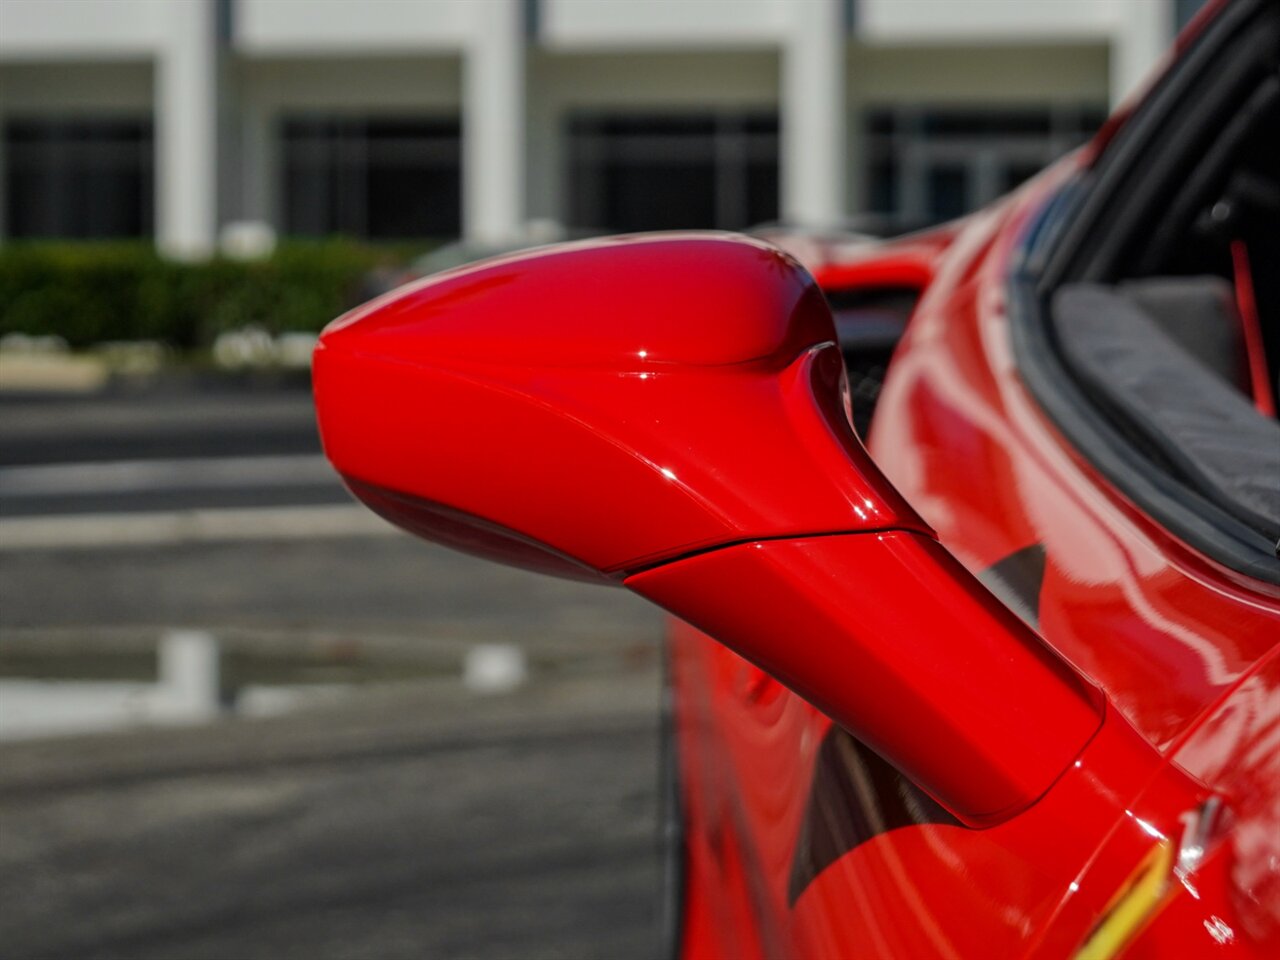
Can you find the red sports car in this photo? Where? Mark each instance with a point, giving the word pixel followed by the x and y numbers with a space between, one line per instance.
pixel 1004 681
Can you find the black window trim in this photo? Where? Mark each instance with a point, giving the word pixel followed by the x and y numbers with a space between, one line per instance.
pixel 1052 242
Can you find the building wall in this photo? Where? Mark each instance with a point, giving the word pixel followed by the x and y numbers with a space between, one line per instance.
pixel 682 81
pixel 53 30
pixel 267 90
pixel 35 88
pixel 979 73
pixel 965 75
pixel 662 24
pixel 218 75
pixel 944 21
pixel 353 27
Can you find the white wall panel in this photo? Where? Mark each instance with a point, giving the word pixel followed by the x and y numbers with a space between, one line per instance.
pixel 80 29
pixel 350 26
pixel 905 21
pixel 583 24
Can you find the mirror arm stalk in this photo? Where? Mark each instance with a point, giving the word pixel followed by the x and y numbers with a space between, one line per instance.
pixel 891 637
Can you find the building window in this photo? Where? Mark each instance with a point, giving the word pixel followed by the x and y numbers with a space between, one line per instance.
pixel 379 178
pixel 79 178
pixel 926 165
pixel 666 172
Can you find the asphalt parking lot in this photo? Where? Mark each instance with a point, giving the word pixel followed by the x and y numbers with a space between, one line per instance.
pixel 408 823
pixel 409 817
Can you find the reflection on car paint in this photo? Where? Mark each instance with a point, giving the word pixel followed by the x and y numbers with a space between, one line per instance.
pixel 855 797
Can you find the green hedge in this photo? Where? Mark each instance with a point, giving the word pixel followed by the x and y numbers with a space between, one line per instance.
pixel 91 292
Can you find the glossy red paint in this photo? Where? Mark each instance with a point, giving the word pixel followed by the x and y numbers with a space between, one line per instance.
pixel 658 371
pixel 1161 630
pixel 887 625
pixel 841 262
pixel 1165 632
pixel 920 662
pixel 935 889
pixel 1223 894
pixel 906 262
pixel 1236 751
pixel 718 433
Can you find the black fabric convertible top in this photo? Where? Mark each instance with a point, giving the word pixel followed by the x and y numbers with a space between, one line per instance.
pixel 1181 411
pixel 1199 315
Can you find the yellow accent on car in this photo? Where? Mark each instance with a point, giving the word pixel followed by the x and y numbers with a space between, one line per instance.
pixel 1131 906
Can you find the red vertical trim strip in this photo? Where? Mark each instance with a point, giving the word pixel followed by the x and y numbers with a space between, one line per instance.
pixel 1252 325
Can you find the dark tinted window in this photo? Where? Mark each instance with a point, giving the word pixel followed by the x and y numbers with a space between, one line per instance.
pixel 372 177
pixel 81 178
pixel 929 164
pixel 661 172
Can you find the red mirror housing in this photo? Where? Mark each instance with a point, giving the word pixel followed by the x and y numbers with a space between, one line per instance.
pixel 671 412
pixel 605 403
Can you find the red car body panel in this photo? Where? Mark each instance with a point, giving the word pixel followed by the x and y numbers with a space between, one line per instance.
pixel 1000 735
pixel 1100 769
pixel 714 430
pixel 390 366
pixel 1178 643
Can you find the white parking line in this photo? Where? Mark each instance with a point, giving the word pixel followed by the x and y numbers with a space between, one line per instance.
pixel 95 530
pixel 135 476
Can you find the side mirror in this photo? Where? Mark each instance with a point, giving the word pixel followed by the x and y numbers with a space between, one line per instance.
pixel 670 413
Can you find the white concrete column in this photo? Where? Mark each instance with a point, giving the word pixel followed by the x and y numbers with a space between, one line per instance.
pixel 186 112
pixel 813 115
pixel 493 123
pixel 1143 32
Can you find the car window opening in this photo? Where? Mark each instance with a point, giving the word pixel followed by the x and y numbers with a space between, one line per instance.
pixel 1160 299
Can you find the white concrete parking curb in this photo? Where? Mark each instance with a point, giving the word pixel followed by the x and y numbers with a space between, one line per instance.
pixel 86 531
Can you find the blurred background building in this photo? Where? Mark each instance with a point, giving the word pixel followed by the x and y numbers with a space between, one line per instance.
pixel 384 119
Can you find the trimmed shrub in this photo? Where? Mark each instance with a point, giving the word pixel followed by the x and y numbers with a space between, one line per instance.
pixel 91 292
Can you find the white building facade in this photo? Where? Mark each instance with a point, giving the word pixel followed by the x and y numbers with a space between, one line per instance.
pixel 389 119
